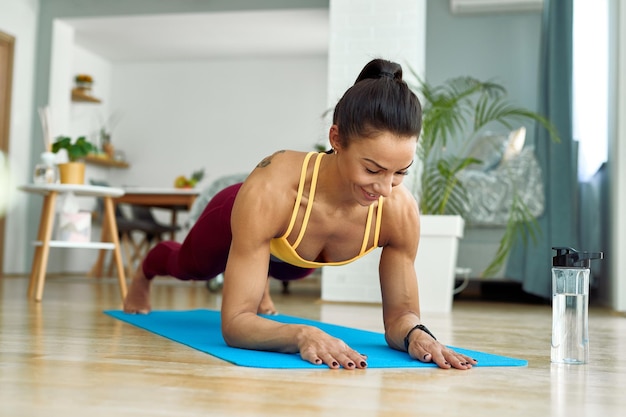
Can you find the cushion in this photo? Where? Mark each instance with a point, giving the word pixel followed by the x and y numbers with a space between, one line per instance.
pixel 515 144
pixel 489 150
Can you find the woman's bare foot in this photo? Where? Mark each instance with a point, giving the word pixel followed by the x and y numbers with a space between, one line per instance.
pixel 138 298
pixel 267 305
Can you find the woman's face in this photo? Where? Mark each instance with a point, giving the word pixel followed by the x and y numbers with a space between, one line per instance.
pixel 373 166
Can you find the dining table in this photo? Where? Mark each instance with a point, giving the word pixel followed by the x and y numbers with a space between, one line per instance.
pixel 167 198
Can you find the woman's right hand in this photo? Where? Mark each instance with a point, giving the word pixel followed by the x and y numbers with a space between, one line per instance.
pixel 320 348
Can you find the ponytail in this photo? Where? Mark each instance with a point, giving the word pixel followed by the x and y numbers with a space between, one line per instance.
pixel 379 101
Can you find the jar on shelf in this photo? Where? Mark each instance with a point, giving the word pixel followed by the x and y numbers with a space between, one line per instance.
pixel 46 170
pixel 83 82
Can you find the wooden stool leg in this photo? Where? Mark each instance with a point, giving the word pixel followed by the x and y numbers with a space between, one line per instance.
pixel 111 268
pixel 47 219
pixel 34 272
pixel 111 226
pixel 127 243
pixel 96 269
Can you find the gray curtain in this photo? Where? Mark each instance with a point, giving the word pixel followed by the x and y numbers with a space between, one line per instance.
pixel 594 227
pixel 531 264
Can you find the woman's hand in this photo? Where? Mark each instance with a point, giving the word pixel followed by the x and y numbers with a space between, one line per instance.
pixel 319 348
pixel 426 349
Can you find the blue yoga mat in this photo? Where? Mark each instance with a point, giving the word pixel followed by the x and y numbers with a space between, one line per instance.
pixel 201 330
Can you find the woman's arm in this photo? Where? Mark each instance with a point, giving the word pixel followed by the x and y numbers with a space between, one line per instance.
pixel 399 286
pixel 258 215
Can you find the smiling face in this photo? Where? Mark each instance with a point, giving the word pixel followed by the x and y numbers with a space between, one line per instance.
pixel 373 166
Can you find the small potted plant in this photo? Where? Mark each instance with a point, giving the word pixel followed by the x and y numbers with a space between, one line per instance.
pixel 73 172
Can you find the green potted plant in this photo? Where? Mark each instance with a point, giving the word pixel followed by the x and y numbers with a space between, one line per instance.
pixel 73 172
pixel 455 113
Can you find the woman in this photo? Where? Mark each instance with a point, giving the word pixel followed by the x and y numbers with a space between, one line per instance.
pixel 296 212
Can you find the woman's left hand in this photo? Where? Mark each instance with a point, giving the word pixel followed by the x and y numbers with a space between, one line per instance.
pixel 426 349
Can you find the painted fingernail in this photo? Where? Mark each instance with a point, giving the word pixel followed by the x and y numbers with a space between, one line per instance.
pixel 318 361
pixel 363 364
pixel 426 356
pixel 335 364
pixel 447 363
pixel 350 365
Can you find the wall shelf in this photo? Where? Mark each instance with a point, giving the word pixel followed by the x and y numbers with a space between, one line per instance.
pixel 105 161
pixel 81 95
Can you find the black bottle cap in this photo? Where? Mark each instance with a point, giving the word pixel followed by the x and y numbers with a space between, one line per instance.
pixel 569 257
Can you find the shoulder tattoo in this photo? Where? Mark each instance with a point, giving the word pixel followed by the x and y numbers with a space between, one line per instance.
pixel 268 160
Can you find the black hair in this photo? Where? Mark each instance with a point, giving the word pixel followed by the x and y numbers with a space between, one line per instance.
pixel 379 101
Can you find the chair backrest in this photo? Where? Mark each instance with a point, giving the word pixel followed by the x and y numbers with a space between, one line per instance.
pixel 209 192
pixel 142 213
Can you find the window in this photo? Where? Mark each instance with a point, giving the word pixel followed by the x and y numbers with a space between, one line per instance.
pixel 590 84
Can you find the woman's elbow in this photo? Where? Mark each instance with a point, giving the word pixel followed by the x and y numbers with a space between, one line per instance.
pixel 230 335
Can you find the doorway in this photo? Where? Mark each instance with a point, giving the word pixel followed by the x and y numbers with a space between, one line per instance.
pixel 7 46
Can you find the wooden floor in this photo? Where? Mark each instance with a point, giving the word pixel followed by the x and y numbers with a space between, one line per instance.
pixel 63 357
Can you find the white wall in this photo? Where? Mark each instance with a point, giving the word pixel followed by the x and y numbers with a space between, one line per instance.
pixel 221 115
pixel 84 119
pixel 76 119
pixel 87 118
pixel 361 31
pixel 174 118
pixel 391 30
pixel 18 18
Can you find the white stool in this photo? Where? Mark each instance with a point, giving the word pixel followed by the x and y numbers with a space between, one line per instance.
pixel 109 238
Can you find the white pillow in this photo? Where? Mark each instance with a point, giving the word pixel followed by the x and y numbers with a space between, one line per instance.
pixel 489 150
pixel 515 144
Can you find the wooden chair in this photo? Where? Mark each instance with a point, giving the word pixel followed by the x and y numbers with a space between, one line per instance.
pixel 154 232
pixel 133 234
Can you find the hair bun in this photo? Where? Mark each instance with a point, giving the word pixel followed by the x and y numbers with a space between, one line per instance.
pixel 380 68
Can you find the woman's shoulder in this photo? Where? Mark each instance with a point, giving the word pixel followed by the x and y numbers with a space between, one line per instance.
pixel 400 213
pixel 401 199
pixel 279 166
pixel 276 173
pixel 271 189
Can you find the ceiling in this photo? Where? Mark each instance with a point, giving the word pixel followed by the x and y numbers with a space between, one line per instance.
pixel 205 35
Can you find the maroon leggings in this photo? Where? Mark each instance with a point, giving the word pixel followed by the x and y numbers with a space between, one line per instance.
pixel 204 252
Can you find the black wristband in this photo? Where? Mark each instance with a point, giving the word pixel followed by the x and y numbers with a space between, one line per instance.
pixel 422 328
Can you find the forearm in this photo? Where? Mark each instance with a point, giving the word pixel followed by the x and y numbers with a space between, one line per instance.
pixel 250 331
pixel 397 329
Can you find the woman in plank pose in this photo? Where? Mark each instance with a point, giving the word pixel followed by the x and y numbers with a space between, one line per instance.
pixel 299 211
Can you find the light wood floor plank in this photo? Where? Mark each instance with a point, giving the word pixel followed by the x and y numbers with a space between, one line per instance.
pixel 63 357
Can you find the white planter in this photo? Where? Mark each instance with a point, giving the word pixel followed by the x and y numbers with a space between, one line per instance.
pixel 435 267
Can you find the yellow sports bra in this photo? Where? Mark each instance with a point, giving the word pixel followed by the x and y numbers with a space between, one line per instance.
pixel 283 250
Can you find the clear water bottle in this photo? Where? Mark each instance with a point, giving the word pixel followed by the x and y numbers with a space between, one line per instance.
pixel 570 305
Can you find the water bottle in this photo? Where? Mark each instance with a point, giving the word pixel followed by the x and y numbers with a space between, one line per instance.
pixel 570 305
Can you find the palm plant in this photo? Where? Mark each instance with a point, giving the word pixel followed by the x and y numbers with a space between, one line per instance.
pixel 455 113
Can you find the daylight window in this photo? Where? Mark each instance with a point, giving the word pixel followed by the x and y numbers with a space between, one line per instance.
pixel 590 84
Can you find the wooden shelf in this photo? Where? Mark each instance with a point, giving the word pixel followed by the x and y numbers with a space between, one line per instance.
pixel 82 95
pixel 105 161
